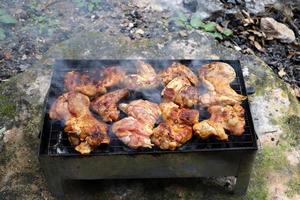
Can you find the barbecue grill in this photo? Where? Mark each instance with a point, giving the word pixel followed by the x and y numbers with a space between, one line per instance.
pixel 196 158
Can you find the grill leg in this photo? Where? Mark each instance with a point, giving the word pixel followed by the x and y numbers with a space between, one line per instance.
pixel 243 176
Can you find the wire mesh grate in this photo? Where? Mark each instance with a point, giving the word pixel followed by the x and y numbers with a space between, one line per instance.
pixel 57 140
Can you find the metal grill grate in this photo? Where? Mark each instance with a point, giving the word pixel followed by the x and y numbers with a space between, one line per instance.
pixel 57 141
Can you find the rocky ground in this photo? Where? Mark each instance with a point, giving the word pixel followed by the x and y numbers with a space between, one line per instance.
pixel 138 29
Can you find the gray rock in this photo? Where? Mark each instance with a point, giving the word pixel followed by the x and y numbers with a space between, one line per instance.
pixel 276 30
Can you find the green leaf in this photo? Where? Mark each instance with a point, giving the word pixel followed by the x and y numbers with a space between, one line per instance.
pixel 227 32
pixel 210 26
pixel 7 19
pixel 196 21
pixel 2 34
pixel 217 35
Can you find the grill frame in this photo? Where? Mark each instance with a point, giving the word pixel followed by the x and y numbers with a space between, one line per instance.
pixel 202 162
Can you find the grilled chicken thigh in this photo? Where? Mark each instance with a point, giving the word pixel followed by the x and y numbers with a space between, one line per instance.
pixel 111 76
pixel 208 128
pixel 176 70
pixel 84 131
pixel 231 117
pixel 171 136
pixel 133 133
pixel 181 92
pixel 82 83
pixel 222 117
pixel 172 114
pixel 216 78
pixel 106 105
pixel 142 110
pixel 176 129
pixel 145 78
pixel 135 130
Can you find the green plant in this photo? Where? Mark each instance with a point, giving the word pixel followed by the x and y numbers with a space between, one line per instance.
pixel 195 22
pixel 6 18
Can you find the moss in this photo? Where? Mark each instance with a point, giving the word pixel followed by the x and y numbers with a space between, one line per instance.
pixel 293 186
pixel 7 108
pixel 291 125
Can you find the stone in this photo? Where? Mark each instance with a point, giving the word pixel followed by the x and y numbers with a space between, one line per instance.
pixel 19 164
pixel 191 5
pixel 276 30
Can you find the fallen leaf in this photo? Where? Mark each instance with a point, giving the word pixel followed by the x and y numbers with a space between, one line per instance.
pixel 259 47
pixel 257 33
pixel 251 37
pixel 281 73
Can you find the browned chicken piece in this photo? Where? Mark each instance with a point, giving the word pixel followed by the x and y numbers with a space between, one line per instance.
pixel 175 70
pixel 111 76
pixel 222 117
pixel 176 128
pixel 171 136
pixel 181 92
pixel 145 78
pixel 68 105
pixel 231 117
pixel 135 130
pixel 84 131
pixel 216 77
pixel 60 109
pixel 87 130
pixel 106 105
pixel 82 83
pixel 209 128
pixel 171 113
pixel 133 133
pixel 144 111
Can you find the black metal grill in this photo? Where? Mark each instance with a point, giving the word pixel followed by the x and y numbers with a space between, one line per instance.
pixel 57 141
pixel 196 158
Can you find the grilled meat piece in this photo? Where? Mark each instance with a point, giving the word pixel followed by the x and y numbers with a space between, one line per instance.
pixel 168 136
pixel 176 128
pixel 82 83
pixel 171 113
pixel 106 105
pixel 80 125
pixel 87 129
pixel 60 109
pixel 111 76
pixel 142 110
pixel 222 117
pixel 231 117
pixel 216 78
pixel 145 78
pixel 135 130
pixel 133 133
pixel 181 92
pixel 208 128
pixel 175 70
